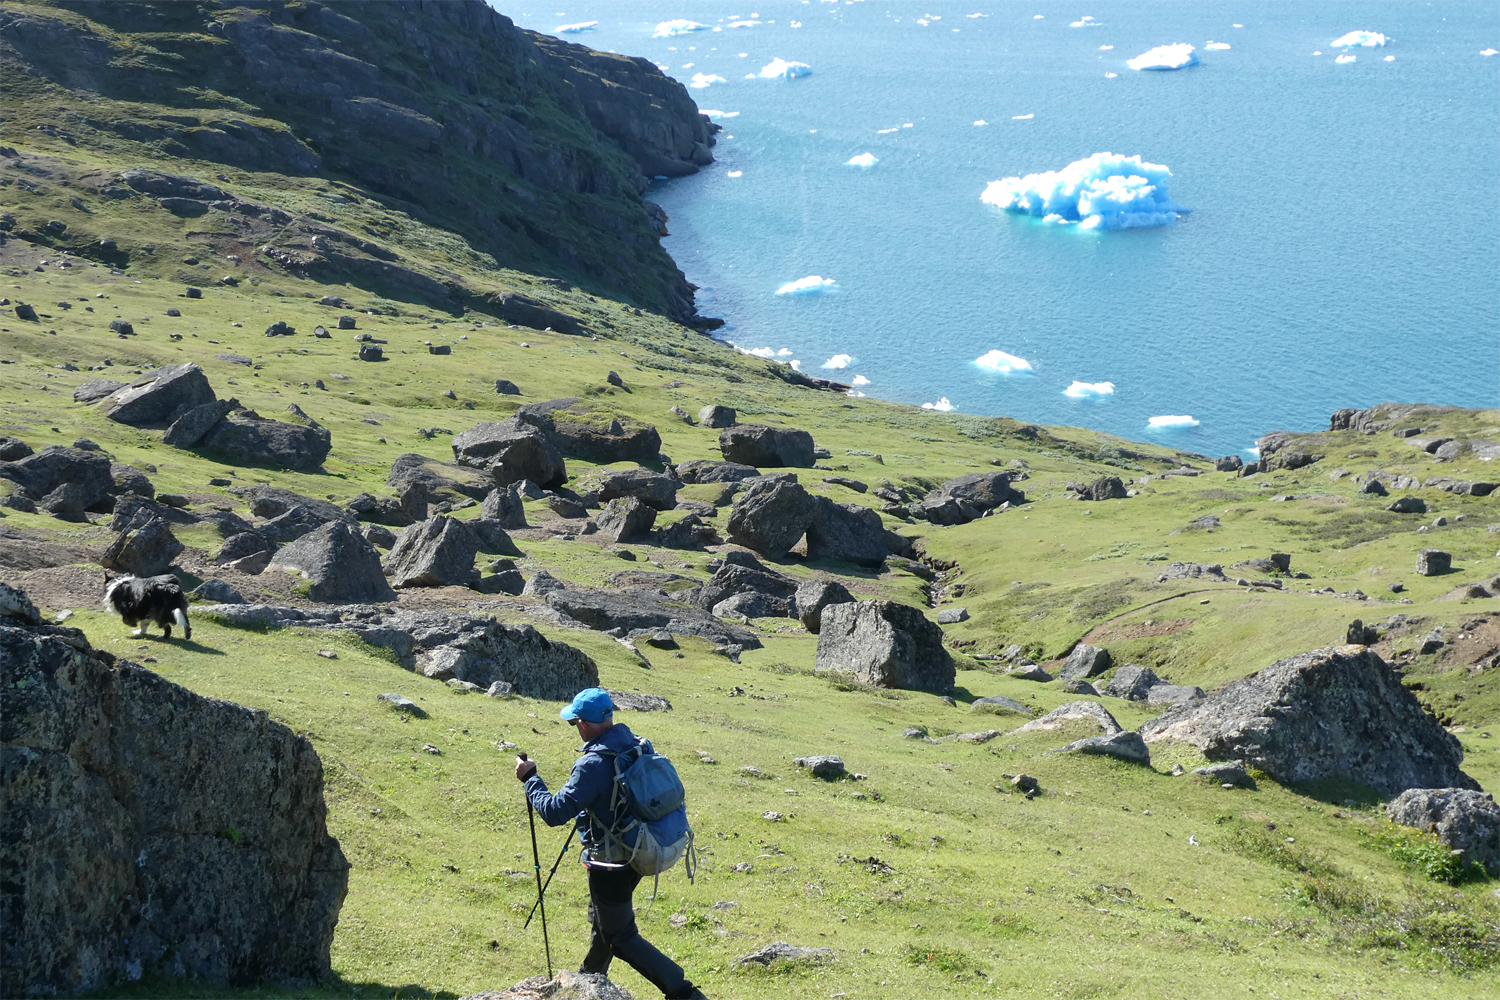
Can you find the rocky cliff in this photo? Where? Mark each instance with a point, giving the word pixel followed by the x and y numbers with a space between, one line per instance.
pixel 148 830
pixel 536 151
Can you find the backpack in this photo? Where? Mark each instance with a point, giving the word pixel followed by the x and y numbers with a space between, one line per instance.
pixel 651 829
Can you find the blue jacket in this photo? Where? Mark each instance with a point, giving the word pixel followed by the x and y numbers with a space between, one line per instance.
pixel 587 794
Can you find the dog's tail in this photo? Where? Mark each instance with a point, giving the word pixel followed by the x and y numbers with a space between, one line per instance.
pixel 179 615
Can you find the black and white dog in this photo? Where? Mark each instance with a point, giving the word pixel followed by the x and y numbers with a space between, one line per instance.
pixel 152 599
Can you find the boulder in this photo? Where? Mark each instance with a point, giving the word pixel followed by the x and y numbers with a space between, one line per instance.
pixel 244 437
pixel 1408 505
pixel 1084 662
pixel 751 604
pixel 13 449
pixel 1339 712
pixel 1103 488
pixel 273 502
pixel 523 310
pixel 998 704
pixel 717 416
pixel 845 532
pixel 505 387
pixel 127 480
pixel 762 447
pixel 1276 562
pixel 490 537
pixel 771 516
pixel 417 480
pixel 567 507
pixel 1074 713
pixel 952 616
pixel 1229 463
pixel 1228 772
pixel 1028 671
pixel 340 565
pixel 823 767
pixel 144 549
pixel 1433 562
pixel 369 352
pixel 579 430
pixel 511 451
pixel 626 519
pixel 1126 746
pixel 688 532
pixel 1077 685
pixel 883 644
pixel 216 591
pixel 731 580
pixel 243 544
pixel 1372 487
pixel 812 596
pixel 641 614
pixel 1132 682
pixel 63 482
pixel 1192 571
pixel 438 552
pixel 703 470
pixel 378 535
pixel 159 397
pixel 95 390
pixel 542 584
pixel 152 831
pixel 1174 694
pixel 506 581
pixel 961 500
pixel 1463 819
pixel 372 509
pixel 651 488
pixel 193 425
pixel 503 506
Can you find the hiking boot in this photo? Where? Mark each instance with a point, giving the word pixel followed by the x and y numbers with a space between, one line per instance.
pixel 689 992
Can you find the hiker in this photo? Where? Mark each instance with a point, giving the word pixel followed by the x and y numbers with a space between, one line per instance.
pixel 588 798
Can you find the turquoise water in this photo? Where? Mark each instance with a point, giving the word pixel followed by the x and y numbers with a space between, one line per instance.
pixel 1341 249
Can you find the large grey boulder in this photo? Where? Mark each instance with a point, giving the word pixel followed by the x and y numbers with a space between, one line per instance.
pixel 503 506
pixel 340 565
pixel 1433 562
pixel 639 613
pixel 751 604
pixel 150 831
pixel 1085 662
pixel 733 579
pixel 651 488
pixel 626 519
pixel 13 449
pixel 1464 819
pixel 1126 746
pixel 244 437
pixel 1174 694
pixel 490 537
pixel 813 596
pixel 579 430
pixel 145 548
pixel 435 482
pixel 159 397
pixel 273 501
pixel 689 532
pixel 961 500
pixel 372 509
pixel 1103 488
pixel 1089 713
pixel 1132 682
pixel 63 482
pixel 1339 712
pixel 127 480
pixel 541 584
pixel 96 389
pixel 703 470
pixel 438 552
pixel 716 416
pixel 194 424
pixel 884 644
pixel 771 516
pixel 767 447
pixel 511 451
pixel 846 532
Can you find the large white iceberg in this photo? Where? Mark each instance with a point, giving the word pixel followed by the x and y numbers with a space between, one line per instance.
pixel 1178 56
pixel 1359 39
pixel 702 80
pixel 864 160
pixel 1083 390
pixel 780 69
pixel 838 361
pixel 941 405
pixel 1103 191
pixel 573 29
pixel 677 26
pixel 1172 420
pixel 806 286
pixel 999 361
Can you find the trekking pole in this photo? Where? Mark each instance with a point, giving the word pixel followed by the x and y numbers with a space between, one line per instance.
pixel 536 864
pixel 566 844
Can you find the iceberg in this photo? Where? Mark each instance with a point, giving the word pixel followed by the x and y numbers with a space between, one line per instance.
pixel 1006 364
pixel 1105 48
pixel 861 380
pixel 1084 22
pixel 1390 58
pixel 677 26
pixel 1487 52
pixel 1083 390
pixel 838 361
pixel 1171 420
pixel 716 113
pixel 702 80
pixel 981 121
pixel 942 405
pixel 1346 58
pixel 735 173
pixel 1103 191
pixel 1217 46
pixel 1022 118
pixel 806 286
pixel 1359 39
pixel 1110 76
pixel 864 160
pixel 1177 56
pixel 779 68
pixel 573 29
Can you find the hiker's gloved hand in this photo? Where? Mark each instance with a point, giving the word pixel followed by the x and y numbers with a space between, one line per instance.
pixel 524 769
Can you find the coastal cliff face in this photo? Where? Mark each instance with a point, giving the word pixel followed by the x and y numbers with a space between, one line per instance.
pixel 534 150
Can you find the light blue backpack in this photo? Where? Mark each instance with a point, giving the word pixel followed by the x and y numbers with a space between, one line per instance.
pixel 651 830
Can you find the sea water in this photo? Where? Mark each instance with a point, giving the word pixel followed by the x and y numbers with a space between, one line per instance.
pixel 1339 247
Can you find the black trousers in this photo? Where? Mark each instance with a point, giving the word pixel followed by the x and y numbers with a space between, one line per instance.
pixel 613 932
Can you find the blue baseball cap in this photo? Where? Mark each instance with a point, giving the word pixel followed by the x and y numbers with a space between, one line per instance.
pixel 590 705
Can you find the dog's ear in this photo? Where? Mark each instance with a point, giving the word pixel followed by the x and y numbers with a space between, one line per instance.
pixel 107 576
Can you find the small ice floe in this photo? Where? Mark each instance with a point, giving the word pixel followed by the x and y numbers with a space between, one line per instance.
pixel 1036 17
pixel 1171 420
pixel 1359 39
pixel 941 405
pixel 980 121
pixel 1110 76
pixel 1177 56
pixel 796 24
pixel 806 286
pixel 743 24
pixel 1087 390
pixel 1084 22
pixel 573 29
pixel 1347 57
pixel 864 161
pixel 1105 48
pixel 703 80
pixel 861 380
pixel 972 16
pixel 838 361
pixel 1103 191
pixel 780 69
pixel 1022 118
pixel 1005 364
pixel 735 173
pixel 1488 52
pixel 677 26
pixel 1217 46
pixel 716 113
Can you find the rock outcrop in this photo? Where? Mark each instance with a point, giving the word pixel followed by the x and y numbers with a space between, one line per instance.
pixel 151 831
pixel 244 437
pixel 884 644
pixel 145 548
pixel 1339 712
pixel 766 447
pixel 772 515
pixel 961 500
pixel 63 482
pixel 626 519
pixel 438 552
pixel 813 596
pixel 703 470
pixel 340 565
pixel 582 430
pixel 511 451
pixel 159 397
pixel 651 488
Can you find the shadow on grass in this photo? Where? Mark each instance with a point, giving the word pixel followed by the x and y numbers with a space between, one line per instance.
pixel 159 988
